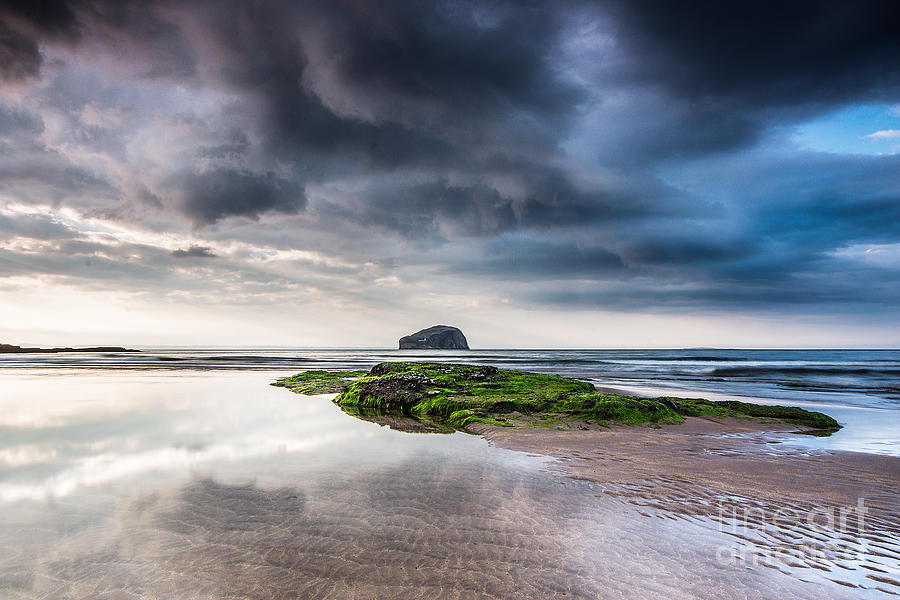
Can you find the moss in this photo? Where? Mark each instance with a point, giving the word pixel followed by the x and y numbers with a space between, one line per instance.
pixel 460 395
pixel 792 414
pixel 462 418
pixel 319 382
pixel 696 407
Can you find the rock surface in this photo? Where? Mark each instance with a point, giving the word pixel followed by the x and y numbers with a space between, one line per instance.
pixel 437 337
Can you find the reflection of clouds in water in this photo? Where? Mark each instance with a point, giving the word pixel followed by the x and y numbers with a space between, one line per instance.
pixel 55 399
pixel 435 526
pixel 426 529
pixel 61 400
pixel 339 507
pixel 19 456
pixel 133 424
pixel 103 468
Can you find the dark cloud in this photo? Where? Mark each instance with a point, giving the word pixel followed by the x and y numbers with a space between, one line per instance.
pixel 578 142
pixel 843 297
pixel 440 54
pixel 427 211
pixel 195 252
pixel 19 55
pixel 526 259
pixel 727 72
pixel 23 25
pixel 49 17
pixel 830 219
pixel 764 54
pixel 138 31
pixel 541 198
pixel 235 148
pixel 400 63
pixel 214 195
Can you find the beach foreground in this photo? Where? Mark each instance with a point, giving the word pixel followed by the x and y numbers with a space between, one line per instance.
pixel 191 483
pixel 788 509
pixel 734 455
pixel 835 512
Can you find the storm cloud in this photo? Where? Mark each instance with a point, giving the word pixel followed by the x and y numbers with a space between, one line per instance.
pixel 194 252
pixel 637 156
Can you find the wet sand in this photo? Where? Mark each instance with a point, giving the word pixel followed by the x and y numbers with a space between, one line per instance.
pixel 801 507
pixel 739 455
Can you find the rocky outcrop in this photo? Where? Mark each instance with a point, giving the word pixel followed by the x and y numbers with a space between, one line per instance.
pixel 11 349
pixel 437 337
pixel 459 395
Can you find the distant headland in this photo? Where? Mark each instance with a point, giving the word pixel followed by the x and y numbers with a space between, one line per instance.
pixel 11 349
pixel 436 337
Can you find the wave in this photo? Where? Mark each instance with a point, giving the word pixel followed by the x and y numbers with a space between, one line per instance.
pixel 690 358
pixel 253 359
pixel 764 371
pixel 554 361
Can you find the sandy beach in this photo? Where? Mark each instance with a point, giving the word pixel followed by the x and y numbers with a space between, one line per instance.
pixel 786 507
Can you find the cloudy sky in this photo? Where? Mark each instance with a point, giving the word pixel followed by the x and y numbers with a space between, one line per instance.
pixel 541 174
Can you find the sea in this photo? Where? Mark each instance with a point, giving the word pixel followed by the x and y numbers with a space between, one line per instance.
pixel 180 473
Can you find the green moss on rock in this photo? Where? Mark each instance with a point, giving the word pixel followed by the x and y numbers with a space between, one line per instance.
pixel 460 395
pixel 319 382
pixel 789 414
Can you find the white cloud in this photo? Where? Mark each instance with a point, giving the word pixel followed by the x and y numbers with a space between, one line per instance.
pixel 885 134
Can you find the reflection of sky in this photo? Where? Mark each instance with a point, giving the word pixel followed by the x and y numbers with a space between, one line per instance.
pixel 870 430
pixel 62 433
pixel 861 129
pixel 134 480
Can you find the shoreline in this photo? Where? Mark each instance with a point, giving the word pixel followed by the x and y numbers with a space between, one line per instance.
pixel 13 349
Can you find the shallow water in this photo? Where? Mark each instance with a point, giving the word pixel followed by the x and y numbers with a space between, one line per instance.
pixel 124 484
pixel 867 378
pixel 860 388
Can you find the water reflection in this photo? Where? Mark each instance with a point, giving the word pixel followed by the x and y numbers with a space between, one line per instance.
pixel 432 527
pixel 406 424
pixel 64 433
pixel 219 486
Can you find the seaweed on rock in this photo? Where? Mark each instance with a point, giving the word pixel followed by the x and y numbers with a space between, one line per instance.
pixel 459 395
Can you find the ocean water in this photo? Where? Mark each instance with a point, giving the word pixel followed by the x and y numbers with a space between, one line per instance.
pixel 182 474
pixel 860 388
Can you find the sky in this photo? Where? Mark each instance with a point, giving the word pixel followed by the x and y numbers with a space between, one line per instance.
pixel 539 174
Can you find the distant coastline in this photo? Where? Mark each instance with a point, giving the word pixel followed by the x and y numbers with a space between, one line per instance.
pixel 12 349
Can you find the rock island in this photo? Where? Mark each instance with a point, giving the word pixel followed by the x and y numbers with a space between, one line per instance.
pixel 436 337
pixel 460 395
